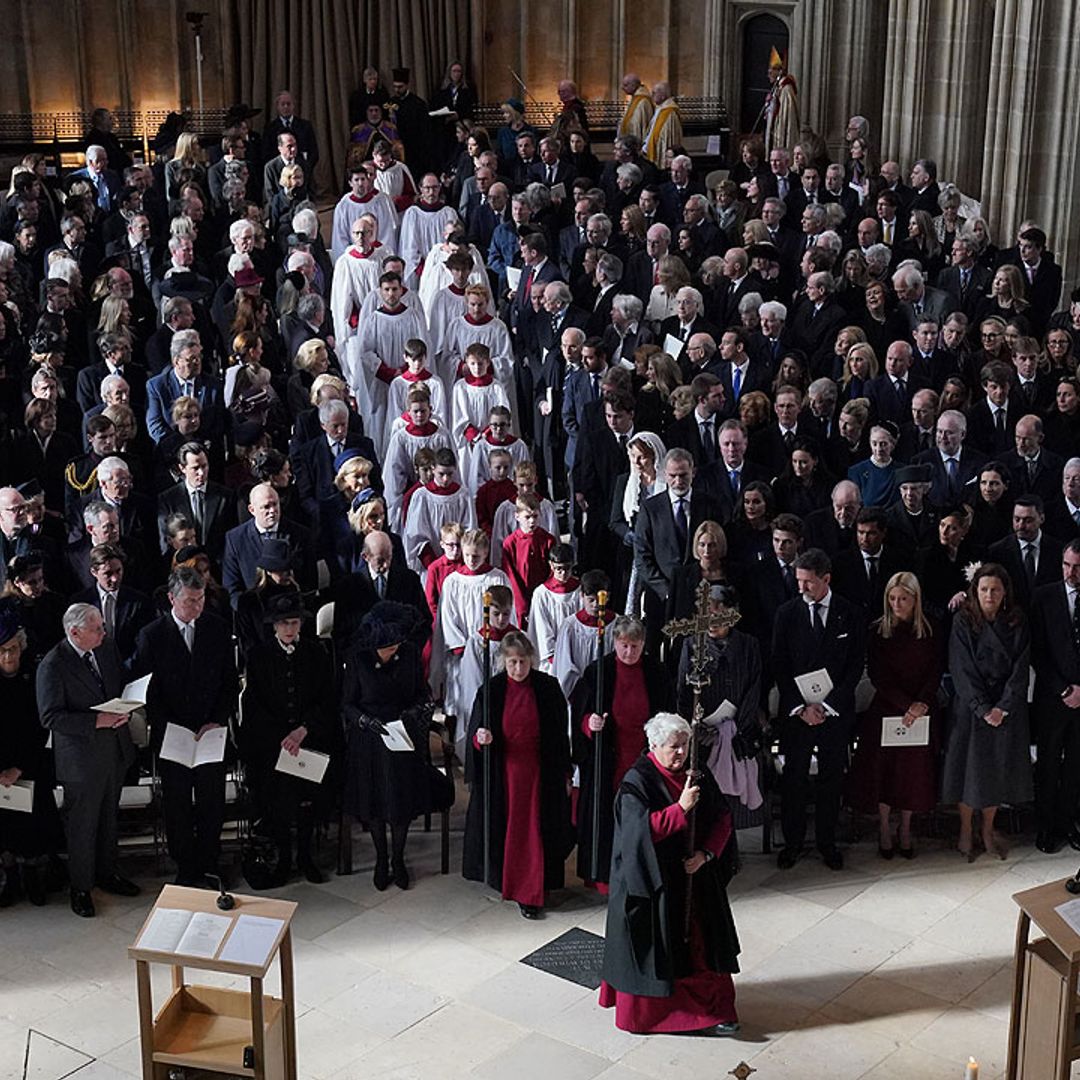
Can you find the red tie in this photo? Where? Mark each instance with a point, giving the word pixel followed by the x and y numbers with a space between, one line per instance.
pixel 528 282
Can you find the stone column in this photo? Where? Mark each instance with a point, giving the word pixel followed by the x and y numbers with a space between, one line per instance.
pixel 936 67
pixel 1032 139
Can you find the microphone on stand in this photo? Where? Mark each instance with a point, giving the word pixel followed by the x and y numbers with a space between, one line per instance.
pixel 225 901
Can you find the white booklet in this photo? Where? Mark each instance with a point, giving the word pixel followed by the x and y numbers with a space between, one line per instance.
pixel 673 346
pixel 815 686
pixel 396 737
pixel 251 940
pixel 20 796
pixel 308 764
pixel 558 191
pixel 181 746
pixel 132 697
pixel 513 277
pixel 894 733
pixel 189 933
pixel 726 710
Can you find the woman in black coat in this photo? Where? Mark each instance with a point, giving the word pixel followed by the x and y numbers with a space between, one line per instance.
pixel 287 704
pixel 525 736
pixel 635 687
pixel 384 685
pixel 26 840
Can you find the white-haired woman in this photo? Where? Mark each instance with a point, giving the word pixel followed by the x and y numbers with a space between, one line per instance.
pixel 657 980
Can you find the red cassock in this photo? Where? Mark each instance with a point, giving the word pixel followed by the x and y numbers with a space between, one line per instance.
pixel 525 561
pixel 703 997
pixel 523 852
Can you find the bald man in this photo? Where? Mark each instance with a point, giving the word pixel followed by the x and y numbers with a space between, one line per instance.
pixel 382 575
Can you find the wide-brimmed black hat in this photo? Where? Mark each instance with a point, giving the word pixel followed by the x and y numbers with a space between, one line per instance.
pixel 913 474
pixel 286 605
pixel 274 556
pixel 241 111
pixel 387 623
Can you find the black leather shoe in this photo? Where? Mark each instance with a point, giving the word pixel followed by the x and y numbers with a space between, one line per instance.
pixel 787 858
pixel 119 886
pixel 1048 843
pixel 82 904
pixel 401 875
pixel 529 911
pixel 832 858
pixel 382 876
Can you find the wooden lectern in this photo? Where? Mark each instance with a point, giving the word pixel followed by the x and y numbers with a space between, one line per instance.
pixel 1043 1041
pixel 238 1032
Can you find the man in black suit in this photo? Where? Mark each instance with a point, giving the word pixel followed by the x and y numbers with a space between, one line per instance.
pixel 739 280
pixel 1033 470
pixel 92 750
pixel 992 421
pixel 209 506
pixel 832 528
pixel 536 268
pixel 1055 654
pixel 600 459
pixel 195 686
pixel 688 320
pixel 731 472
pixel 551 169
pixel 315 464
pixel 1042 277
pixel 820 630
pixel 740 372
pixel 571 237
pixel 1031 557
pixel 666 523
pixel 708 238
pixel 817 321
pixel 953 464
pixel 382 577
pixel 925 187
pixel 1063 511
pixel 965 280
pixel 552 452
pixel 115 349
pixel 837 190
pixel 861 573
pixel 1034 390
pixel 287 121
pixel 673 193
pixel 135 251
pixel 891 392
pixel 698 431
pixel 243 544
pixel 124 611
pixel 135 510
pixel 771 446
pixel 771 584
pixel 892 226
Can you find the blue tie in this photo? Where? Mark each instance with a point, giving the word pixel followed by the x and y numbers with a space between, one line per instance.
pixel 734 475
pixel 736 382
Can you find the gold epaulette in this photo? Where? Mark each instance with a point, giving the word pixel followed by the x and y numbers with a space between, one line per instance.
pixel 82 488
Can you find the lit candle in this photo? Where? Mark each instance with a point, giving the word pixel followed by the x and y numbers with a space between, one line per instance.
pixel 972 1070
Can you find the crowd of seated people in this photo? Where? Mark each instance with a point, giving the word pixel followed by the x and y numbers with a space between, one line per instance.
pixel 509 396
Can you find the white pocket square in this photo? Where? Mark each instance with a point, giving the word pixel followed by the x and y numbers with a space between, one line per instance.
pixel 840 637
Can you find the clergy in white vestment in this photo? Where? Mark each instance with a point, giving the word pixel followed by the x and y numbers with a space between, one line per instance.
pixel 363 198
pixel 423 226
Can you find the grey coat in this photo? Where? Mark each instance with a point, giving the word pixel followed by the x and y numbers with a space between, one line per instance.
pixel 986 766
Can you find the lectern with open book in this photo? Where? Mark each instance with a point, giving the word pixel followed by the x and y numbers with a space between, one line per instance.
pixel 1043 1041
pixel 240 1032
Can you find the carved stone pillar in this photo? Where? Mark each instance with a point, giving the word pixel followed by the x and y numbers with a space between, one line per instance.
pixel 1032 139
pixel 936 69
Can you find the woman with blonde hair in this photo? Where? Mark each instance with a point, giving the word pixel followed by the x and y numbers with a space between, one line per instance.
pixel 860 366
pixel 652 411
pixel 187 163
pixel 312 359
pixel 1007 296
pixel 905 661
pixel 673 276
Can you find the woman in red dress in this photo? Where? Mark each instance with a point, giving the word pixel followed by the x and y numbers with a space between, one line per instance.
pixel 658 978
pixel 904 661
pixel 526 738
pixel 636 686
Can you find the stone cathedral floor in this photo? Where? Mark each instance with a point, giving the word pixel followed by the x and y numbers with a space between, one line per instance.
pixel 894 970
